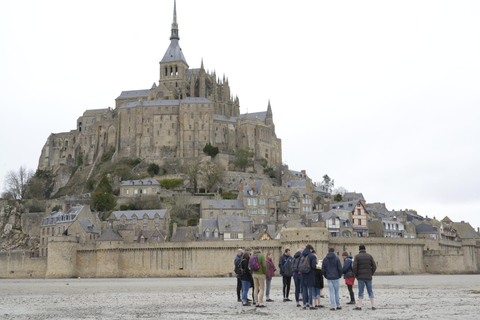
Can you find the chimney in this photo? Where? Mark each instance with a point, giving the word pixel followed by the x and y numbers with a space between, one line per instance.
pixel 174 228
pixel 304 172
pixel 254 187
pixel 240 188
pixel 326 207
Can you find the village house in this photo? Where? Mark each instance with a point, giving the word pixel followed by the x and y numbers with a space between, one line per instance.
pixel 356 213
pixel 132 188
pixel 58 222
pixel 224 227
pixel 134 223
pixel 337 225
pixel 211 209
pixel 259 200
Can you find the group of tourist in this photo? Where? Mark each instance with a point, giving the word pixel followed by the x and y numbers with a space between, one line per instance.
pixel 255 270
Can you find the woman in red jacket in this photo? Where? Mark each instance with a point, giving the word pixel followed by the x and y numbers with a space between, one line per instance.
pixel 270 273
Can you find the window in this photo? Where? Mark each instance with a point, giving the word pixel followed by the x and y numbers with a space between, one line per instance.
pixel 145 220
pixel 173 125
pixel 360 222
pixel 211 215
pixel 359 212
pixel 157 220
pixel 134 220
pixel 333 222
pixel 191 115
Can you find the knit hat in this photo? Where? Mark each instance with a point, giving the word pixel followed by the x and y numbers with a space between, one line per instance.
pixel 345 254
pixel 300 250
pixel 362 247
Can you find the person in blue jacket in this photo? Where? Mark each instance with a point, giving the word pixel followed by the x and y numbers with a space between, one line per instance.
pixel 332 270
pixel 348 275
pixel 308 278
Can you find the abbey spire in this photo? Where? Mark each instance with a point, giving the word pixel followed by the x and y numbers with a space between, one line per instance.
pixel 173 65
pixel 174 23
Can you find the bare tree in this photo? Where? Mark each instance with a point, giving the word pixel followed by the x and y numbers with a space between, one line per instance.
pixel 193 169
pixel 182 206
pixel 16 182
pixel 213 175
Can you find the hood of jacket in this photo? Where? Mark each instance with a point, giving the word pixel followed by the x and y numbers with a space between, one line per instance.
pixel 297 255
pixel 330 255
pixel 306 252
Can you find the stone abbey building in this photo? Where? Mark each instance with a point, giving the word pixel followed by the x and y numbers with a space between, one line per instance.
pixel 176 118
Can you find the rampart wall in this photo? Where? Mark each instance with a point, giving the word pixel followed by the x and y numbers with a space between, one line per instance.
pixel 107 259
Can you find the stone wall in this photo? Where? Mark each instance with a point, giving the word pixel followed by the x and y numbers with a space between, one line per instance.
pixel 20 264
pixel 106 259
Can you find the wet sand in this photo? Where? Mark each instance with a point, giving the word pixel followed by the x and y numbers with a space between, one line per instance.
pixel 396 297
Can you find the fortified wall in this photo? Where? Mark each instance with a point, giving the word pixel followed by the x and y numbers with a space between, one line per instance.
pixel 108 259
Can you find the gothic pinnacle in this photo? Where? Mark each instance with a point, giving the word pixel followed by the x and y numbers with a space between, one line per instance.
pixel 174 23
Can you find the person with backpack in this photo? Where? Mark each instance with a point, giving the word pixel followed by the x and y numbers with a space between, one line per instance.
pixel 332 270
pixel 286 270
pixel 237 262
pixel 258 265
pixel 307 265
pixel 348 275
pixel 270 274
pixel 245 277
pixel 297 276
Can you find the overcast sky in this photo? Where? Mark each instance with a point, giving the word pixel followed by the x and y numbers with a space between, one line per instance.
pixel 383 96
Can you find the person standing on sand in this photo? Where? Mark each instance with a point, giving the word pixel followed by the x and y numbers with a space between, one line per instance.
pixel 238 259
pixel 318 286
pixel 297 277
pixel 285 265
pixel 259 277
pixel 308 276
pixel 348 275
pixel 246 278
pixel 364 267
pixel 332 270
pixel 270 274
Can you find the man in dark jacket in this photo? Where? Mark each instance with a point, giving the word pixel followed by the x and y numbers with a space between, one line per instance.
pixel 364 267
pixel 332 270
pixel 238 259
pixel 285 266
pixel 308 278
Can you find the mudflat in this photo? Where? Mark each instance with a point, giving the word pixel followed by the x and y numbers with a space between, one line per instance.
pixel 396 297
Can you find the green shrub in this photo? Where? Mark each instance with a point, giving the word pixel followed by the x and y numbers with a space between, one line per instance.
pixel 170 183
pixel 153 169
pixel 123 207
pixel 229 195
pixel 192 222
pixel 210 150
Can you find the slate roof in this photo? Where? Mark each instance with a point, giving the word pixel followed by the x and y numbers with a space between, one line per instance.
pixel 146 182
pixel 174 52
pixel 344 206
pixel 296 184
pixel 93 112
pixel 59 217
pixel 222 204
pixel 139 213
pixel 110 235
pixel 465 230
pixel 228 223
pixel 87 226
pixel 224 118
pixel 298 174
pixel 255 115
pixel 183 234
pixel 247 188
pixel 424 228
pixel 143 93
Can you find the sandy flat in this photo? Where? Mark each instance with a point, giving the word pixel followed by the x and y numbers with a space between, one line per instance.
pixel 397 297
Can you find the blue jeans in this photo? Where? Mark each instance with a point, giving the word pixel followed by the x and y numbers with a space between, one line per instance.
pixel 307 295
pixel 267 288
pixel 245 286
pixel 316 293
pixel 297 281
pixel 333 289
pixel 361 287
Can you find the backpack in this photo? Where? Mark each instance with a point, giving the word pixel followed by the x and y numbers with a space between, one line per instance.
pixel 253 262
pixel 295 265
pixel 304 266
pixel 349 272
pixel 238 267
pixel 288 267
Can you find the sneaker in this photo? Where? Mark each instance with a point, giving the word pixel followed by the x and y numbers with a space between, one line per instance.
pixel 313 308
pixel 351 302
pixel 286 299
pixel 320 306
pixel 304 308
pixel 357 308
pixel 269 300
pixel 339 308
pixel 239 300
pixel 373 308
pixel 299 305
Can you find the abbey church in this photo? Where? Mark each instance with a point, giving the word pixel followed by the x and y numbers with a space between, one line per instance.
pixel 177 117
